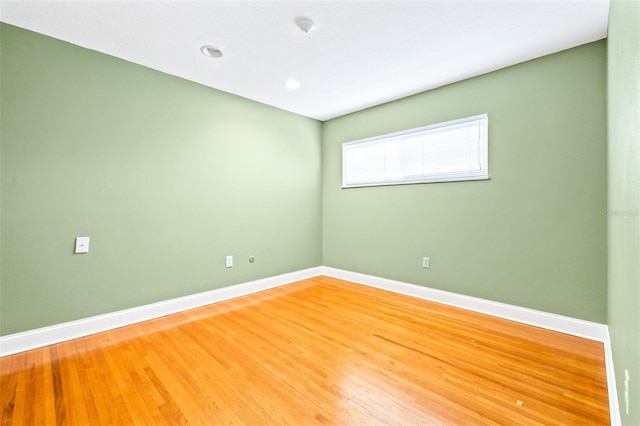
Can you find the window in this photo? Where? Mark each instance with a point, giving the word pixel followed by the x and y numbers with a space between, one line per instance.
pixel 444 152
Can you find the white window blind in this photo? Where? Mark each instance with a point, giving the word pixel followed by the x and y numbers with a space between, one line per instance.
pixel 452 151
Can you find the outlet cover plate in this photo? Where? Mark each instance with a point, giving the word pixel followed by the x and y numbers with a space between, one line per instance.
pixel 82 244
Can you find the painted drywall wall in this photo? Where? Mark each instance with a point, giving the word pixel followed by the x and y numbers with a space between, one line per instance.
pixel 166 177
pixel 624 199
pixel 534 235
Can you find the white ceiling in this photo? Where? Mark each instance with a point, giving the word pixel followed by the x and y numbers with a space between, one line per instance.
pixel 359 54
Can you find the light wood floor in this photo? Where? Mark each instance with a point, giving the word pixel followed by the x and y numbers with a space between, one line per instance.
pixel 320 351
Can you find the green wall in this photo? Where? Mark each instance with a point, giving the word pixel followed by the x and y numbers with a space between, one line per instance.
pixel 166 177
pixel 624 199
pixel 534 235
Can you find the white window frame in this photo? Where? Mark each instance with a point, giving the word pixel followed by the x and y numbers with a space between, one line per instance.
pixel 479 171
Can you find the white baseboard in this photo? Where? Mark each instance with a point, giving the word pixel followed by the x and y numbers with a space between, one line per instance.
pixel 576 327
pixel 568 325
pixel 45 336
pixel 614 406
pixel 56 333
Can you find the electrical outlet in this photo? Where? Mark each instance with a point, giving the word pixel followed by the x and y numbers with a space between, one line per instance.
pixel 228 263
pixel 626 390
pixel 425 262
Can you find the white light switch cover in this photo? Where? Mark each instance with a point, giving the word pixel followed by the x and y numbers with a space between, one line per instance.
pixel 82 245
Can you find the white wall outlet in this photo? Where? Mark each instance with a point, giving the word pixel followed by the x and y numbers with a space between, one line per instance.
pixel 626 390
pixel 82 244
pixel 228 263
pixel 425 262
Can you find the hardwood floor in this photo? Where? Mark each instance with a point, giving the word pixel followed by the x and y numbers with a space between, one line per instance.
pixel 320 351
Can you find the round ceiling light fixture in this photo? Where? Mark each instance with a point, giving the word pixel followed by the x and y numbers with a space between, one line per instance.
pixel 292 84
pixel 211 51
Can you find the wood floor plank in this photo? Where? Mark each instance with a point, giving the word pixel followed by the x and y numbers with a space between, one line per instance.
pixel 320 351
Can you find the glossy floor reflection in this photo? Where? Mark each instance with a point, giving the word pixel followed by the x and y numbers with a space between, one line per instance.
pixel 321 351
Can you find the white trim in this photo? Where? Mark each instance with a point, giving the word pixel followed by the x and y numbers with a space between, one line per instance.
pixel 614 406
pixel 39 337
pixel 568 325
pixel 362 149
pixel 576 327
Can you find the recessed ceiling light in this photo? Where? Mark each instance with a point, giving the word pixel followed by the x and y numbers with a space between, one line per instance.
pixel 292 84
pixel 211 51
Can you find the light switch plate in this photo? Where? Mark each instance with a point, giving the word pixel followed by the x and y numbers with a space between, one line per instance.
pixel 82 245
pixel 228 262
